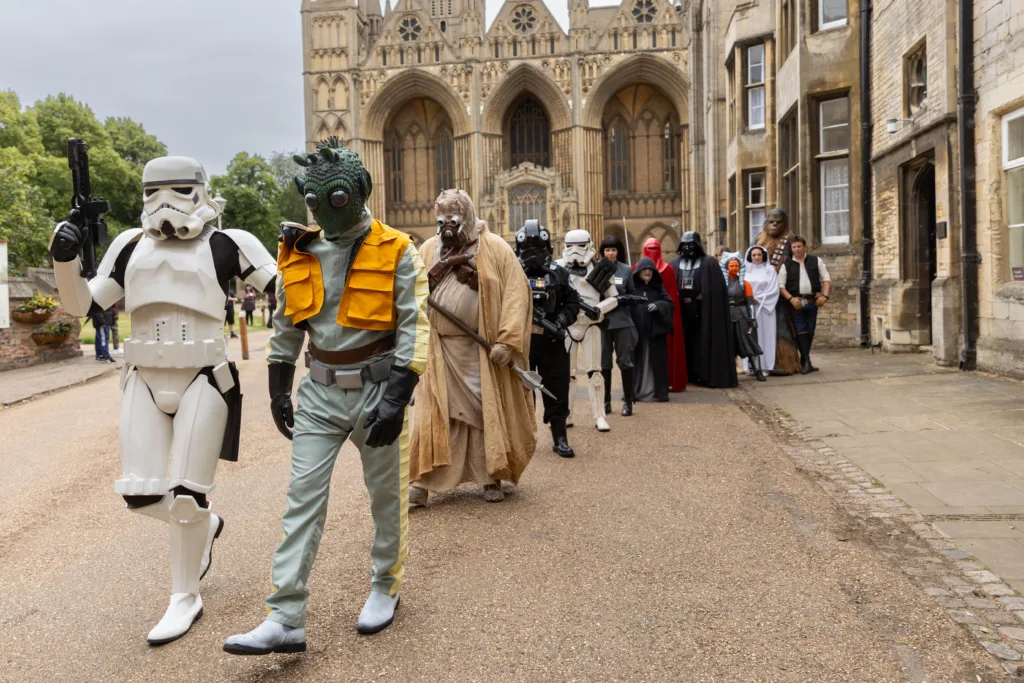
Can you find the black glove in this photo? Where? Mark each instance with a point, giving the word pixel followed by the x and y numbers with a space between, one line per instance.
pixel 281 377
pixel 384 424
pixel 601 276
pixel 67 243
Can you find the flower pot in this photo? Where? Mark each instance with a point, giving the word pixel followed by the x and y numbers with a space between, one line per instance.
pixel 44 339
pixel 31 317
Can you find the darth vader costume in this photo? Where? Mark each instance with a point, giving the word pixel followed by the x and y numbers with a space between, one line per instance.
pixel 704 303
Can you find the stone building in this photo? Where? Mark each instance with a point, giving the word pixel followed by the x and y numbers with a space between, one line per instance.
pixel 588 129
pixel 705 115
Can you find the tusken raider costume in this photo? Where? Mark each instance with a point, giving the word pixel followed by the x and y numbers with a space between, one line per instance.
pixel 359 292
pixel 180 393
pixel 556 305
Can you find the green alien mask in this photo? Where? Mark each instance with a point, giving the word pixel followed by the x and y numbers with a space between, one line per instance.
pixel 336 187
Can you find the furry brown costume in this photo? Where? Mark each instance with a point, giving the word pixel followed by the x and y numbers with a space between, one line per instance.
pixel 775 238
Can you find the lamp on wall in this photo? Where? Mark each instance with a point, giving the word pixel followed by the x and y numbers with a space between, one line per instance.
pixel 893 125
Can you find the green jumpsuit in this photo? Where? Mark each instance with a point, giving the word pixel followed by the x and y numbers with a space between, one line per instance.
pixel 328 415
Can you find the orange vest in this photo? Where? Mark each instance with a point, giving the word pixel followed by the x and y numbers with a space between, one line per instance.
pixel 368 302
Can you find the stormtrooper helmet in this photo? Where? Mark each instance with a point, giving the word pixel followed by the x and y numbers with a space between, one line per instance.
pixel 579 248
pixel 176 198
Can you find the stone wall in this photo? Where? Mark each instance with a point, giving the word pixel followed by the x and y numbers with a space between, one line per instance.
pixel 999 79
pixel 839 320
pixel 17 349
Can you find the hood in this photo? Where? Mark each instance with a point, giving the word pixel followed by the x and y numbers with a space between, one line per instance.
pixel 764 253
pixel 652 250
pixel 732 256
pixel 646 262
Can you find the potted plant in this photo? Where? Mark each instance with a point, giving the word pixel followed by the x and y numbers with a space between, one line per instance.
pixel 36 310
pixel 52 333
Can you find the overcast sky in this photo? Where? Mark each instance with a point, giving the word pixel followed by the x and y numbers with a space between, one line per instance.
pixel 209 78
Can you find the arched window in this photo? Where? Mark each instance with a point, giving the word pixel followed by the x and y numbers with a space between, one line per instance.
pixel 383 57
pixel 419 55
pixel 671 146
pixel 673 37
pixel 497 50
pixel 401 56
pixel 530 134
pixel 552 46
pixel 437 53
pixel 526 202
pixel 634 40
pixel 515 48
pixel 395 168
pixel 654 39
pixel 533 46
pixel 618 157
pixel 615 41
pixel 443 158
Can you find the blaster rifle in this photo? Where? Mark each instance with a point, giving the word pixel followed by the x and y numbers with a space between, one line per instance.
pixel 87 211
pixel 540 321
pixel 631 300
pixel 592 312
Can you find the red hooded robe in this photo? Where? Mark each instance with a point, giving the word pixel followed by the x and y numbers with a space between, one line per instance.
pixel 676 346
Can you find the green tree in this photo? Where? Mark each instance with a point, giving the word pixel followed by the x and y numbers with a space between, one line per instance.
pixel 252 194
pixel 131 141
pixel 24 222
pixel 292 206
pixel 63 117
pixel 20 129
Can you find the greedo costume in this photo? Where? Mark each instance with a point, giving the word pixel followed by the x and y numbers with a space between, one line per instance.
pixel 653 323
pixel 775 237
pixel 556 305
pixel 593 282
pixel 678 373
pixel 619 332
pixel 742 318
pixel 181 394
pixel 764 282
pixel 358 291
pixel 710 356
pixel 474 421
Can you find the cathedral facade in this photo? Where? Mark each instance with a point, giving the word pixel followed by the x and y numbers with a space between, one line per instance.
pixel 586 129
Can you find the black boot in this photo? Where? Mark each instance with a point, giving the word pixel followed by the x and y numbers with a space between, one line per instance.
pixel 755 362
pixel 607 374
pixel 627 391
pixel 803 343
pixel 810 344
pixel 561 443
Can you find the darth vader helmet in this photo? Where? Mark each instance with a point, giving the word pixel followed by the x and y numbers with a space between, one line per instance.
pixel 691 247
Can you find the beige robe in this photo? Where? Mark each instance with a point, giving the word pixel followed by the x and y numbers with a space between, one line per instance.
pixel 509 422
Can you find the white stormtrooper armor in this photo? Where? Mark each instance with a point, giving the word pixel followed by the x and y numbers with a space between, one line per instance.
pixel 578 259
pixel 180 393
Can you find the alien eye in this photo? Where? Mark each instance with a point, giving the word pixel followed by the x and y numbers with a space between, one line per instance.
pixel 544 235
pixel 339 198
pixel 312 201
pixel 440 222
pixel 521 237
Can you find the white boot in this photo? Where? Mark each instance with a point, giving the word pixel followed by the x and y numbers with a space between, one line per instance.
pixel 596 389
pixel 378 613
pixel 268 637
pixel 190 529
pixel 216 526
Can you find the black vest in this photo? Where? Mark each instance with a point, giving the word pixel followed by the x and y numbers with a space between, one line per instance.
pixel 793 275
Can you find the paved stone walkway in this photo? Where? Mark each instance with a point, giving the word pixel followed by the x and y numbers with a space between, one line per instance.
pixel 949 444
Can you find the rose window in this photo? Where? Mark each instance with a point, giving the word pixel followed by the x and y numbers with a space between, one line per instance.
pixel 644 11
pixel 523 19
pixel 410 29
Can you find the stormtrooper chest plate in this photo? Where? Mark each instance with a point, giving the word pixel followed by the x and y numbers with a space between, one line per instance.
pixel 176 305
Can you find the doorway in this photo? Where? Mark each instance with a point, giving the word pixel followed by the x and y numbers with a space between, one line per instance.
pixel 920 246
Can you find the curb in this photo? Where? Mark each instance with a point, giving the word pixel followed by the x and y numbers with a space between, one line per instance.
pixel 87 380
pixel 970 594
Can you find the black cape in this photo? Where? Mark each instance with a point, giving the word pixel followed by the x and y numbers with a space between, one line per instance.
pixel 711 353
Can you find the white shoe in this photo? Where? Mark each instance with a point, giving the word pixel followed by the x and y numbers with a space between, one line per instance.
pixel 216 526
pixel 602 425
pixel 378 613
pixel 268 637
pixel 417 496
pixel 184 610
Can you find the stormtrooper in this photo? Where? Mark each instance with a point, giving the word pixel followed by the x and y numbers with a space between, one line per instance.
pixel 181 396
pixel 593 281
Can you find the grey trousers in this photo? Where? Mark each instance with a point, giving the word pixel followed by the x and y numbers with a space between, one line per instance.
pixel 624 339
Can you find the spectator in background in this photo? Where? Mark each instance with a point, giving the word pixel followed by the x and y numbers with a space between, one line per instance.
pixel 248 303
pixel 101 321
pixel 229 313
pixel 271 305
pixel 115 333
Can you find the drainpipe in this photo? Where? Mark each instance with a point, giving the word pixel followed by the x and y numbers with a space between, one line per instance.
pixel 969 257
pixel 867 228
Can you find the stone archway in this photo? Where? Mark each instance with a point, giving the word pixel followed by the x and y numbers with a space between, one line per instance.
pixel 638 69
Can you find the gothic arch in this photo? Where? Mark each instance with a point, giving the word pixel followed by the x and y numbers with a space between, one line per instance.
pixel 527 79
pixel 643 68
pixel 668 238
pixel 408 85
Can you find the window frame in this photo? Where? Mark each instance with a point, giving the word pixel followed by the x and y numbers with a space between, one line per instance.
pixel 750 206
pixel 838 23
pixel 1008 165
pixel 750 86
pixel 821 127
pixel 823 159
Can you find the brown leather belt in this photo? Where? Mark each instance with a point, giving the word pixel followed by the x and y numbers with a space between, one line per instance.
pixel 351 356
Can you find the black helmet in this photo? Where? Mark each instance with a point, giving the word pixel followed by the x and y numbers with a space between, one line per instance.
pixel 533 245
pixel 691 246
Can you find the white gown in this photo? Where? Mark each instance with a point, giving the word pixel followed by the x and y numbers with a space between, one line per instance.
pixel 765 282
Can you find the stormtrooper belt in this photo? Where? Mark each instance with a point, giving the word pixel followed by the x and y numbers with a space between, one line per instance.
pixel 375 372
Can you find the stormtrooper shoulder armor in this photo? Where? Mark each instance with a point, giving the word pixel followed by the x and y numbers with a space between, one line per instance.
pixel 259 268
pixel 118 244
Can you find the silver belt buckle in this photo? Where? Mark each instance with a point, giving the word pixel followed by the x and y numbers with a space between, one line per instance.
pixel 321 374
pixel 349 379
